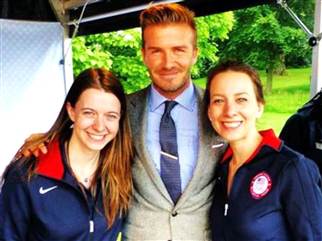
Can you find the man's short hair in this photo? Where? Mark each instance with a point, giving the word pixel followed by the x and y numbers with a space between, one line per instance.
pixel 167 14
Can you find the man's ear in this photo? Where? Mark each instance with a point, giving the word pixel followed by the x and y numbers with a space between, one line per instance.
pixel 195 55
pixel 143 54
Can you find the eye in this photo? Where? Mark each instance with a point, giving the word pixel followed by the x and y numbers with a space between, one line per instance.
pixel 217 101
pixel 112 116
pixel 154 51
pixel 88 113
pixel 179 50
pixel 242 100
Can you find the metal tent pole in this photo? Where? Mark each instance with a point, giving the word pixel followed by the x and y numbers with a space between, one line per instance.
pixel 316 78
pixel 314 41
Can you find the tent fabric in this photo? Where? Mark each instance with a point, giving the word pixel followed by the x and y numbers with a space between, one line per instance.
pixel 32 85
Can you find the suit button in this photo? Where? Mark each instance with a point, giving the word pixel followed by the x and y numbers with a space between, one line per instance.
pixel 174 214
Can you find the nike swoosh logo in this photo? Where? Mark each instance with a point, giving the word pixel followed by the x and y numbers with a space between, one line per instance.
pixel 43 191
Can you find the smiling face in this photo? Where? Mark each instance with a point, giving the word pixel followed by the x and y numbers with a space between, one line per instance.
pixel 233 107
pixel 96 118
pixel 169 52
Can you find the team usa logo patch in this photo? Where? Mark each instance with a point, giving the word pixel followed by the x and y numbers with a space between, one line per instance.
pixel 260 185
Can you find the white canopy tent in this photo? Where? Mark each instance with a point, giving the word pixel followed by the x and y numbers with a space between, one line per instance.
pixel 33 82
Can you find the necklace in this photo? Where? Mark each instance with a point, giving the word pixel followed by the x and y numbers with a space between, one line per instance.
pixel 86 181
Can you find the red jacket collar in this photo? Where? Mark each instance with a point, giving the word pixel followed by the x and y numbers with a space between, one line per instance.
pixel 269 139
pixel 51 164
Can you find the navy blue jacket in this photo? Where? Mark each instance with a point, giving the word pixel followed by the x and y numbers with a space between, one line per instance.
pixel 51 206
pixel 303 130
pixel 275 195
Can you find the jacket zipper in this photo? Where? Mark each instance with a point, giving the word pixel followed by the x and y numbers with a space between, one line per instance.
pixel 91 229
pixel 91 207
pixel 226 209
pixel 91 226
pixel 226 203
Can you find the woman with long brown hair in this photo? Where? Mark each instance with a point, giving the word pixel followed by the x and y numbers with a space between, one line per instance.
pixel 81 188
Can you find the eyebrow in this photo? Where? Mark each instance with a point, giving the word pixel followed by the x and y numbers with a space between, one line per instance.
pixel 114 112
pixel 87 108
pixel 180 47
pixel 173 47
pixel 111 112
pixel 236 94
pixel 153 47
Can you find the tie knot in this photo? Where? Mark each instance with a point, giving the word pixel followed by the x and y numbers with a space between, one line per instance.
pixel 169 104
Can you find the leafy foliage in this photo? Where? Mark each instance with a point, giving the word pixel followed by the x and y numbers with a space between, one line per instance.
pixel 304 9
pixel 259 39
pixel 85 56
pixel 119 51
pixel 300 53
pixel 211 30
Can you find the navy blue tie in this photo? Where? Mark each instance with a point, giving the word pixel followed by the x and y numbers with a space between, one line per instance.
pixel 170 167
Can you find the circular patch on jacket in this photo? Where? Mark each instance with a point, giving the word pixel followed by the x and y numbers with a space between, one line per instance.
pixel 261 184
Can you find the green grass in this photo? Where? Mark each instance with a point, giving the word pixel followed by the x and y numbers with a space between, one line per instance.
pixel 290 92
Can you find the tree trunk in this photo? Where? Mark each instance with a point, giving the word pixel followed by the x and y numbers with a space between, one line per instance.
pixel 269 80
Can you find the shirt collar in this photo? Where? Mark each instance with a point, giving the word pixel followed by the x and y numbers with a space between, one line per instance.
pixel 269 139
pixel 51 164
pixel 186 99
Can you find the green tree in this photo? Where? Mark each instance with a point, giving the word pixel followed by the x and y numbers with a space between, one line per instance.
pixel 89 56
pixel 121 48
pixel 299 56
pixel 304 9
pixel 259 39
pixel 125 47
pixel 211 30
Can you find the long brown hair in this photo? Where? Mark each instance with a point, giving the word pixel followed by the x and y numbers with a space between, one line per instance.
pixel 114 171
pixel 167 14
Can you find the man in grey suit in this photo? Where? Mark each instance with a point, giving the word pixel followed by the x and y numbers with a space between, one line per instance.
pixel 169 49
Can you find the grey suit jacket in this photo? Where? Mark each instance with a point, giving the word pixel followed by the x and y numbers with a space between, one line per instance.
pixel 152 215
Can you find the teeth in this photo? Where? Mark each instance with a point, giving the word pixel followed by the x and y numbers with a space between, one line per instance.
pixel 170 73
pixel 234 124
pixel 96 137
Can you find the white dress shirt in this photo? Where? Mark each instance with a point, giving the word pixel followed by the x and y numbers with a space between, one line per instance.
pixel 185 117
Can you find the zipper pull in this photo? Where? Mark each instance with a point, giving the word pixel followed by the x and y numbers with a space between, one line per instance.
pixel 91 226
pixel 226 209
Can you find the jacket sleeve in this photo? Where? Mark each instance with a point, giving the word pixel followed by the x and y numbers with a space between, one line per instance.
pixel 14 208
pixel 302 199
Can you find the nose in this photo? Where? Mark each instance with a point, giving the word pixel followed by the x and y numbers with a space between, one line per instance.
pixel 168 60
pixel 99 124
pixel 230 109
